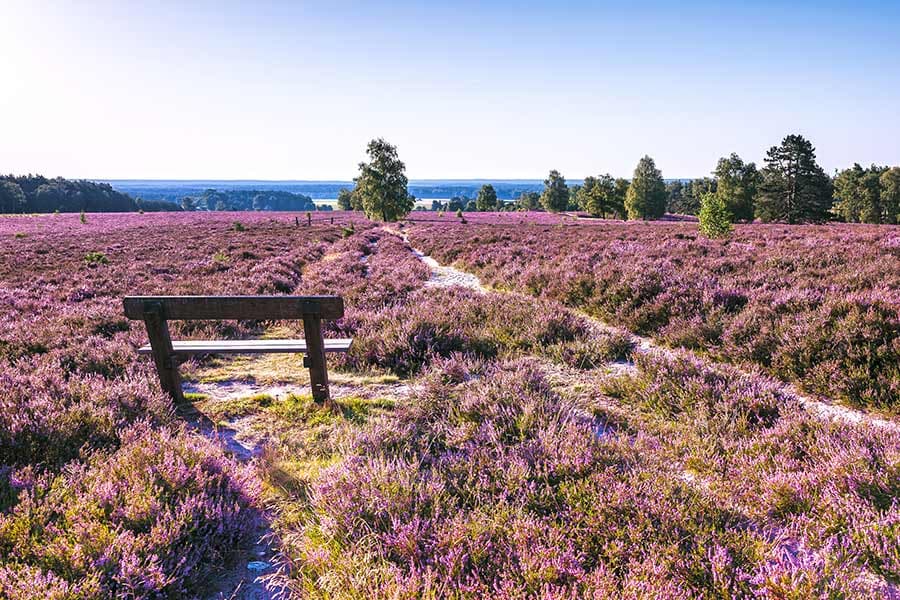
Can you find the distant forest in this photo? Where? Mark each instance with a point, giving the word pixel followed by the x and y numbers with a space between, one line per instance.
pixel 37 194
pixel 26 194
pixel 249 200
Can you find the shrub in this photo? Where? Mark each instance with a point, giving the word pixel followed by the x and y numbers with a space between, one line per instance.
pixel 715 220
pixel 121 524
pixel 93 259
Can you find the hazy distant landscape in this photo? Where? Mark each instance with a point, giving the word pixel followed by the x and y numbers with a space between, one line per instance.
pixel 424 190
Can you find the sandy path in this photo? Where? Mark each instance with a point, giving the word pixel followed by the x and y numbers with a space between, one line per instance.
pixel 240 582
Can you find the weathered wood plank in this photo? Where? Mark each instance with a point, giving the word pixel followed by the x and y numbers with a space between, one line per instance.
pixel 315 358
pixel 179 308
pixel 250 346
pixel 163 355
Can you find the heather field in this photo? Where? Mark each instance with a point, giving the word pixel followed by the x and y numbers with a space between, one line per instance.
pixel 818 306
pixel 612 414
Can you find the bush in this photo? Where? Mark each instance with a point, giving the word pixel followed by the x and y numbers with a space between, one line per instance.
pixel 437 322
pixel 121 525
pixel 715 220
pixel 93 259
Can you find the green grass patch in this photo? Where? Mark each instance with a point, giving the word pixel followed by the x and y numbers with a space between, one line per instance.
pixel 303 409
pixel 234 408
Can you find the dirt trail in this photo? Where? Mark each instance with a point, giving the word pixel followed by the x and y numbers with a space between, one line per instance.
pixel 241 581
pixel 441 275
pixel 447 276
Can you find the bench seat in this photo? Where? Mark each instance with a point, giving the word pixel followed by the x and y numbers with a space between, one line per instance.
pixel 157 311
pixel 250 346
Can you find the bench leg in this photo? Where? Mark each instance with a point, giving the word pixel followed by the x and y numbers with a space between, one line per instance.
pixel 315 358
pixel 163 355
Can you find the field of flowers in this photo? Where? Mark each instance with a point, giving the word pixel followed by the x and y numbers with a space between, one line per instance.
pixel 103 492
pixel 480 443
pixel 817 306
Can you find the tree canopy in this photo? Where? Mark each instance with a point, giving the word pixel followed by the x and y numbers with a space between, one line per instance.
pixel 555 197
pixel 528 201
pixel 382 183
pixel 794 188
pixel 715 218
pixel 12 198
pixel 865 195
pixel 737 185
pixel 890 192
pixel 345 199
pixel 487 198
pixel 646 197
pixel 248 200
pixel 603 196
pixel 44 195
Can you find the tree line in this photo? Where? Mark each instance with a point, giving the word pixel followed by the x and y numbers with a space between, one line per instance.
pixel 791 187
pixel 27 194
pixel 247 200
pixel 38 194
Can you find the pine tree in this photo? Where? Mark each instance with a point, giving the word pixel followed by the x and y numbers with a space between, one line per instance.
pixel 646 197
pixel 794 187
pixel 486 199
pixel 556 193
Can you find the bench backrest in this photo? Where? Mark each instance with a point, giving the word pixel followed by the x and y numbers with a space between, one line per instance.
pixel 250 308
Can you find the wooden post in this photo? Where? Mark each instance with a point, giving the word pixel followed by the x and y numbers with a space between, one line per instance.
pixel 163 353
pixel 315 357
pixel 309 219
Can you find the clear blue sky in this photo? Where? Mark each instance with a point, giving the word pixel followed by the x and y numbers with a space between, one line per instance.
pixel 465 90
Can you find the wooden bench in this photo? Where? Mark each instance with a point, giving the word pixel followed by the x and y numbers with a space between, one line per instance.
pixel 156 311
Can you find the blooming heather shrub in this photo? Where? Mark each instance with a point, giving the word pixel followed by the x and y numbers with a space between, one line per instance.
pixel 817 305
pixel 595 351
pixel 487 483
pixel 852 351
pixel 148 520
pixel 435 322
pixel 676 386
pixel 47 420
pixel 368 270
pixel 820 483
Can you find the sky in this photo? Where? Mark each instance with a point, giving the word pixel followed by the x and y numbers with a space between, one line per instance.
pixel 492 90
